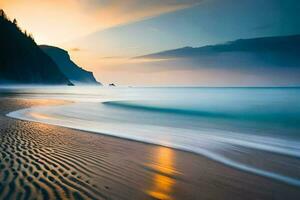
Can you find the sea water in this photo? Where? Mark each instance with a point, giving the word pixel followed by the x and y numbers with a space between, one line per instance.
pixel 251 129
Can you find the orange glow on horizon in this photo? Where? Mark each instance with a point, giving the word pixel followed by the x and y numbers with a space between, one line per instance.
pixel 54 22
pixel 66 23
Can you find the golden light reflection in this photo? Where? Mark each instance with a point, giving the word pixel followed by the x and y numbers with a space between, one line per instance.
pixel 40 116
pixel 162 181
pixel 46 102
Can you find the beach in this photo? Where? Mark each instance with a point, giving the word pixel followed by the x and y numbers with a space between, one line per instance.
pixel 149 100
pixel 49 162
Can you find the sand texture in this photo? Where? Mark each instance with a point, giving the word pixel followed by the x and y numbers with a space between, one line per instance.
pixel 41 161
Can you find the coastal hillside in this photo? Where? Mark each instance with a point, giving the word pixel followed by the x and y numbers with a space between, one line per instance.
pixel 74 73
pixel 22 61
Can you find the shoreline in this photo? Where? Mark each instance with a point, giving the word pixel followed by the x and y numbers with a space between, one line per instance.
pixel 292 178
pixel 160 167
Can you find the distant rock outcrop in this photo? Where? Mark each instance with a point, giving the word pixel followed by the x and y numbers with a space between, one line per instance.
pixel 22 61
pixel 75 74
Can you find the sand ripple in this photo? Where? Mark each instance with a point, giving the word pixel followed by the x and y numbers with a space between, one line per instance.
pixel 41 161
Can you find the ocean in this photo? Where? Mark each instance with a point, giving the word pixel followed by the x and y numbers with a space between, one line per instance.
pixel 256 130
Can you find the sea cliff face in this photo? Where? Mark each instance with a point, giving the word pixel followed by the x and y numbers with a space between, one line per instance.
pixel 75 74
pixel 22 61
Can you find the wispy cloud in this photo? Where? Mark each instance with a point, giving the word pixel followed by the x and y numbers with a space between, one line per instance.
pixel 55 21
pixel 75 49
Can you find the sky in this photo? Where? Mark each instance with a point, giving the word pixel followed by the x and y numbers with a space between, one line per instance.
pixel 103 35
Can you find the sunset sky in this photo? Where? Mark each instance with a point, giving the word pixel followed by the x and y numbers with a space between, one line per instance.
pixel 102 35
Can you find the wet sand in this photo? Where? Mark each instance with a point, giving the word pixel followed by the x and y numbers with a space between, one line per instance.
pixel 40 161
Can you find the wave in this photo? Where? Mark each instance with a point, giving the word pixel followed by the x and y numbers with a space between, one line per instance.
pixel 274 115
pixel 209 143
pixel 232 126
pixel 132 105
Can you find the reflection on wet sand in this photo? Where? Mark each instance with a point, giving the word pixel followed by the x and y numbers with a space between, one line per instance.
pixel 40 116
pixel 40 161
pixel 164 171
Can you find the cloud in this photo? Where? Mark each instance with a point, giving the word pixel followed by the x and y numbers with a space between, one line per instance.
pixel 121 12
pixel 56 21
pixel 75 49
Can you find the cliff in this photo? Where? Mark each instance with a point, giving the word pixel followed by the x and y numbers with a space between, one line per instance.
pixel 22 61
pixel 75 74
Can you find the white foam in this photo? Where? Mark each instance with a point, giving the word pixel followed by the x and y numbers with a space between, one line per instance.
pixel 161 129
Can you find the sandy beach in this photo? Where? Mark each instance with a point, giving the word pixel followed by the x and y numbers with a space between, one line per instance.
pixel 40 161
